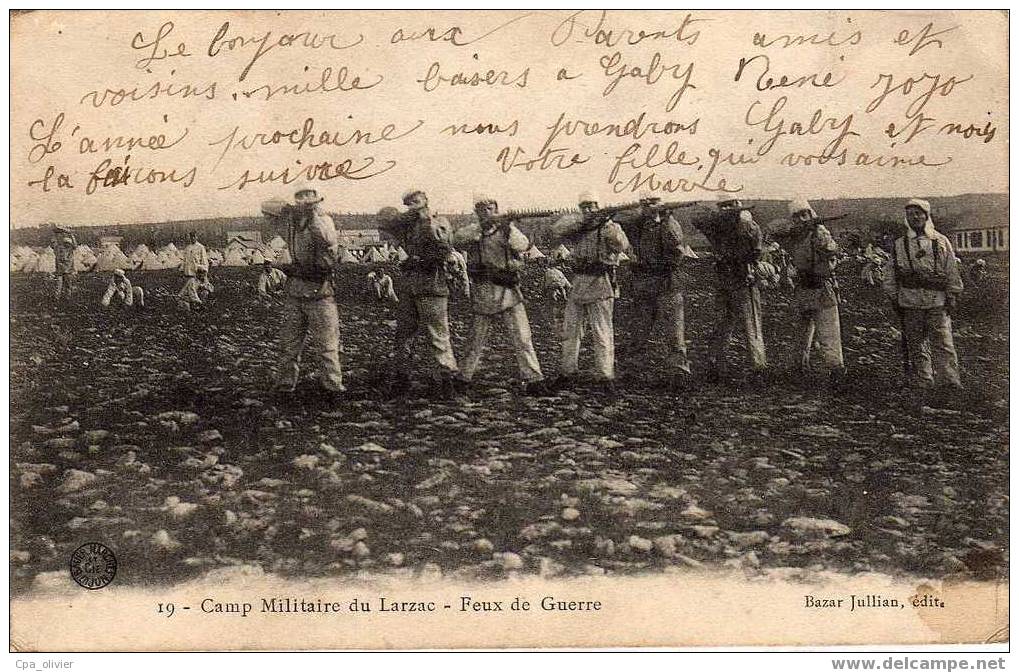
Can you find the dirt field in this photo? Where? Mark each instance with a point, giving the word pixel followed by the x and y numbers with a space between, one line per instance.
pixel 153 433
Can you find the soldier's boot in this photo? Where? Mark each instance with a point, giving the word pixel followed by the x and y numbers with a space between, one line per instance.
pixel 535 388
pixel 562 382
pixel 837 380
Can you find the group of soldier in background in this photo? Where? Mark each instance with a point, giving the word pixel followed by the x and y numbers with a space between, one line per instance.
pixel 921 280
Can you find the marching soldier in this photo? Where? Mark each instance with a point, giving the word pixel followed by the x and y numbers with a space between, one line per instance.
pixel 596 243
pixel 923 282
pixel 427 240
pixel 656 284
pixel 736 242
pixel 309 306
pixel 63 256
pixel 814 255
pixel 494 252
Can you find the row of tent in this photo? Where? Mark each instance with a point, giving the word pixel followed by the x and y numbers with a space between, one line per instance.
pixel 238 252
pixel 109 256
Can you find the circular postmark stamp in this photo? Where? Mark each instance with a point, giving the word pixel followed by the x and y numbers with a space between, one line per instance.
pixel 93 566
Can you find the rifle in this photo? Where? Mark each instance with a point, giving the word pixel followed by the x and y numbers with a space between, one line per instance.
pixel 825 220
pixel 907 363
pixel 504 219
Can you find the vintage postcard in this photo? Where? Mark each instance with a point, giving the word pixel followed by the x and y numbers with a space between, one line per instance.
pixel 528 329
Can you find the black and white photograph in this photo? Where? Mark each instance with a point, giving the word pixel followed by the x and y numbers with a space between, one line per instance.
pixel 528 329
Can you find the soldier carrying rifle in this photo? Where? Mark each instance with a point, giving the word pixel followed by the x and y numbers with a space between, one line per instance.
pixel 658 250
pixel 814 255
pixel 310 316
pixel 427 240
pixel 922 281
pixel 736 243
pixel 494 248
pixel 596 242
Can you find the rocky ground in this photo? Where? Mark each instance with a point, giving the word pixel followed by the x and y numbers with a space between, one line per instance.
pixel 152 432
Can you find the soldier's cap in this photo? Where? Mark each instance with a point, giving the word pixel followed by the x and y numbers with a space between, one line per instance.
pixel 388 212
pixel 267 263
pixel 482 199
pixel 798 205
pixel 411 193
pixel 919 203
pixel 587 197
pixel 726 198
pixel 307 195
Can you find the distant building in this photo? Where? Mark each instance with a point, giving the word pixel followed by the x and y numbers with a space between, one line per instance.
pixel 979 238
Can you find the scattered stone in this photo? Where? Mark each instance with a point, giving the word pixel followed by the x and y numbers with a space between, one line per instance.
pixel 179 509
pixel 75 480
pixel 570 514
pixel 94 436
pixel 510 561
pixel 306 461
pixel 704 531
pixel 640 543
pixel 162 539
pixel 749 539
pixel 817 527
pixel 695 512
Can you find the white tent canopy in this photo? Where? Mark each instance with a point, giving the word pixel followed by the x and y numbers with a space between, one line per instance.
pixel 215 257
pixel 373 255
pixel 83 258
pixel 561 252
pixel 139 253
pixel 346 257
pixel 23 259
pixel 111 257
pixel 47 261
pixel 534 253
pixel 278 243
pixel 234 256
pixel 150 262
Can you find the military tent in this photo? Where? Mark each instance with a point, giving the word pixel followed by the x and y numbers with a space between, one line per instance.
pixel 150 261
pixel 111 257
pixel 23 259
pixel 534 253
pixel 170 256
pixel 47 261
pixel 373 255
pixel 139 253
pixel 215 257
pixel 83 258
pixel 234 255
pixel 278 243
pixel 346 257
pixel 561 252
